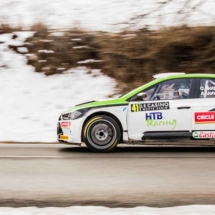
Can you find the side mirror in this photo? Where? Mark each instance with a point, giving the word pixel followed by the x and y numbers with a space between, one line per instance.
pixel 141 96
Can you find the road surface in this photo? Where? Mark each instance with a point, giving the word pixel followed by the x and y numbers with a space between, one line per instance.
pixel 61 175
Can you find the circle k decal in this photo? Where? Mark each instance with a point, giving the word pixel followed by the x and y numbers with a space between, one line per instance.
pixel 204 117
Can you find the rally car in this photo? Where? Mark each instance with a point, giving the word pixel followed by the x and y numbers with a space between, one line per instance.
pixel 174 107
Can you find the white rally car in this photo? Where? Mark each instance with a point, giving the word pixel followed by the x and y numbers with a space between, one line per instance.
pixel 175 107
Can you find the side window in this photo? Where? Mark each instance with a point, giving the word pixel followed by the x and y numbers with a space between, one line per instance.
pixel 207 88
pixel 170 90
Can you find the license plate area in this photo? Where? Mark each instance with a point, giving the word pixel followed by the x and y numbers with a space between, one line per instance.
pixel 64 137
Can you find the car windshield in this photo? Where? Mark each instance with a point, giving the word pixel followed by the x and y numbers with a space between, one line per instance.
pixel 136 89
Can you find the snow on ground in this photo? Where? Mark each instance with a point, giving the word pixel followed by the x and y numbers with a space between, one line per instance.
pixel 103 14
pixel 91 210
pixel 32 102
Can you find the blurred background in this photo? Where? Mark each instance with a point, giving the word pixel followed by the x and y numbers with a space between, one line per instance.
pixel 56 54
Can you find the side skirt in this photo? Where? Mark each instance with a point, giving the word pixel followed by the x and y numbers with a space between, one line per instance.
pixel 172 142
pixel 166 135
pixel 170 138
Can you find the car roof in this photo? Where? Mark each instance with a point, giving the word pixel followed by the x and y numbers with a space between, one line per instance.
pixel 165 75
pixel 181 75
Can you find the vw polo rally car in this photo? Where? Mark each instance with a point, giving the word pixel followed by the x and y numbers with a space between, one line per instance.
pixel 174 107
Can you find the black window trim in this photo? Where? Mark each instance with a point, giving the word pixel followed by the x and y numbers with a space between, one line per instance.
pixel 193 88
pixel 197 89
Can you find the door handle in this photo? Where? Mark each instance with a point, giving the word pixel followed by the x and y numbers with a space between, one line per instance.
pixel 183 107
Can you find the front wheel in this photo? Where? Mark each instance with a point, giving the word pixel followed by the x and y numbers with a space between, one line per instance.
pixel 101 133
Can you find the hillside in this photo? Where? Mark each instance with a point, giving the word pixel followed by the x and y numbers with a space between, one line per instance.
pixel 44 71
pixel 131 58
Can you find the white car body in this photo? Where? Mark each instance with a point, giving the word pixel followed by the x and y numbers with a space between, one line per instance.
pixel 168 114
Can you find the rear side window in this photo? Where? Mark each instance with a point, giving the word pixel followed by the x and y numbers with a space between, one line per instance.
pixel 207 88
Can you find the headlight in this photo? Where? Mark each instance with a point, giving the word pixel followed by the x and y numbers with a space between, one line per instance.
pixel 74 115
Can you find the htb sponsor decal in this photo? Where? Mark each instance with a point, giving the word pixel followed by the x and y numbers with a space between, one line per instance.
pixel 149 106
pixel 204 117
pixel 203 134
pixel 154 119
pixel 65 124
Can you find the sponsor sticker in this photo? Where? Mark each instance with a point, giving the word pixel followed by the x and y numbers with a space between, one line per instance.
pixel 203 134
pixel 64 137
pixel 155 119
pixel 150 106
pixel 65 124
pixel 207 90
pixel 204 117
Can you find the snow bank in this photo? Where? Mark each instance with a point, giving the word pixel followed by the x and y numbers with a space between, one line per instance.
pixel 103 15
pixel 91 210
pixel 32 102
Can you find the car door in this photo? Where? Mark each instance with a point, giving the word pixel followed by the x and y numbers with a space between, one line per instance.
pixel 203 111
pixel 166 110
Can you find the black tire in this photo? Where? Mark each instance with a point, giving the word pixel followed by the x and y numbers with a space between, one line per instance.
pixel 101 133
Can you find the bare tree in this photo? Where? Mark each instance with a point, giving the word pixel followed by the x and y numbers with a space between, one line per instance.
pixel 180 11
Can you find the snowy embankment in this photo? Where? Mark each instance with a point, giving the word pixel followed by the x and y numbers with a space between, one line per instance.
pixel 32 102
pixel 91 210
pixel 106 15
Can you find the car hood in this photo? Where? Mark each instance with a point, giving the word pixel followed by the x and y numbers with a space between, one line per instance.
pixel 84 103
pixel 94 104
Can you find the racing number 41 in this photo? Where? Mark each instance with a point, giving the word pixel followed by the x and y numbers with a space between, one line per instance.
pixel 135 108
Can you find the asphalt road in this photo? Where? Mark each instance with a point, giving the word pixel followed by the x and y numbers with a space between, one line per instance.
pixel 62 175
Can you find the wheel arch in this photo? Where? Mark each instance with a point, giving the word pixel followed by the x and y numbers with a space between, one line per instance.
pixel 106 114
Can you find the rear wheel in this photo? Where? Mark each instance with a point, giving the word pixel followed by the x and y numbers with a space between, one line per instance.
pixel 101 133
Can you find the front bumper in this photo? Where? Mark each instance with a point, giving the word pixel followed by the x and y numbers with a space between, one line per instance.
pixel 69 131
